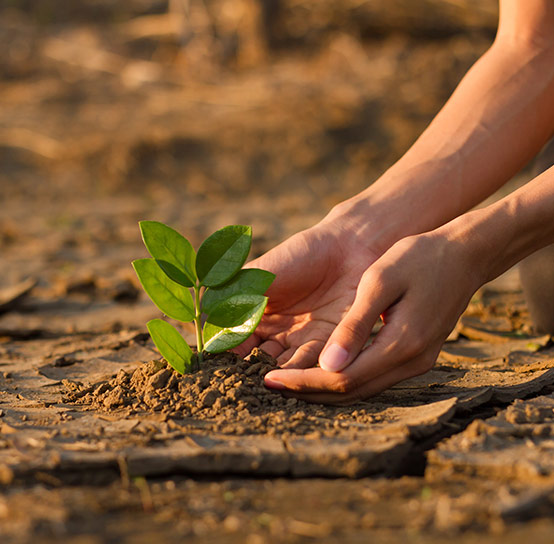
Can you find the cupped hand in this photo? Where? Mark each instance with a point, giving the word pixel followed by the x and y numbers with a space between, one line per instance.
pixel 317 273
pixel 420 287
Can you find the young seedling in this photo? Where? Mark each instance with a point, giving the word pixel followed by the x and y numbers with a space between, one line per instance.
pixel 209 288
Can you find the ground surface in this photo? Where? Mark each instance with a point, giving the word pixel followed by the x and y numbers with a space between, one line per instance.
pixel 109 116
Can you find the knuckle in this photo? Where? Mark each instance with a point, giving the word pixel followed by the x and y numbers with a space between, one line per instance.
pixel 415 242
pixel 356 329
pixel 307 350
pixel 374 277
pixel 412 345
pixel 345 384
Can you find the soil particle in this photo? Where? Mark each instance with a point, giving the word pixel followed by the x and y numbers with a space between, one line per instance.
pixel 160 379
pixel 227 394
pixel 64 361
pixel 114 398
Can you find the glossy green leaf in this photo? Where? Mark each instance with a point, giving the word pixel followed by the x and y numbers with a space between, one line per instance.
pixel 233 321
pixel 170 297
pixel 252 281
pixel 171 345
pixel 222 254
pixel 174 253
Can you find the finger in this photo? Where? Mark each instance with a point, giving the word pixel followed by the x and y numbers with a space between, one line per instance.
pixel 285 356
pixel 272 347
pixel 393 347
pixel 242 350
pixel 369 389
pixel 304 380
pixel 373 298
pixel 306 355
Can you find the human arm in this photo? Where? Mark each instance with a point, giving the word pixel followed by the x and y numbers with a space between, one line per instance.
pixel 498 117
pixel 422 284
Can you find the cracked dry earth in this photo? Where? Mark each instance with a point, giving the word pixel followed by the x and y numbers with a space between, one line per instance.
pixel 108 119
pixel 98 437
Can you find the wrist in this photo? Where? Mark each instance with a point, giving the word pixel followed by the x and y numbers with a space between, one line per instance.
pixel 486 238
pixel 366 222
pixel 393 207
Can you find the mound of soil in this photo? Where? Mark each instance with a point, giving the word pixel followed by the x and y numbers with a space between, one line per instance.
pixel 227 394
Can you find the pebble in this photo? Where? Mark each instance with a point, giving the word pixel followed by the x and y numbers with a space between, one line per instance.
pixel 208 398
pixel 160 379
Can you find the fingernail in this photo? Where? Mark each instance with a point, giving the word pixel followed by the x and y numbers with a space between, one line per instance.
pixel 333 358
pixel 272 383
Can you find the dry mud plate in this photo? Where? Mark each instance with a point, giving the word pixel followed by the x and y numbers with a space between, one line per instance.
pixel 109 118
pixel 88 406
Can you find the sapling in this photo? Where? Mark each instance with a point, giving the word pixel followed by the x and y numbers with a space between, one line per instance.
pixel 209 288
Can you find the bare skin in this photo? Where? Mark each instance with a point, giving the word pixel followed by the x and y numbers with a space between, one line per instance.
pixel 406 248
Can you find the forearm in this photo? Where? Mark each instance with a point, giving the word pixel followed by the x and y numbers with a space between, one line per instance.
pixel 498 236
pixel 499 116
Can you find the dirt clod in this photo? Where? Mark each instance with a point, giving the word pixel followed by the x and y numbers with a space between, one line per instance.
pixel 159 380
pixel 227 394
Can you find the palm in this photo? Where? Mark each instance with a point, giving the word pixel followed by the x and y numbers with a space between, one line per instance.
pixel 316 283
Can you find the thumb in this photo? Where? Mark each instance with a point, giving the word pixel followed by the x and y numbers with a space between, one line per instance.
pixel 373 298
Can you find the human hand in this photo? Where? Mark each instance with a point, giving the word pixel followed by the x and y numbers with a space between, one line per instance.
pixel 420 286
pixel 317 274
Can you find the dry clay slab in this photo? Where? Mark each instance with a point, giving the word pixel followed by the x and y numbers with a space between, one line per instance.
pixel 516 444
pixel 98 405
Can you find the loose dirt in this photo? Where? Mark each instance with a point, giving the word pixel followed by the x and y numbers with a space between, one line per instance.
pixel 227 392
pixel 117 112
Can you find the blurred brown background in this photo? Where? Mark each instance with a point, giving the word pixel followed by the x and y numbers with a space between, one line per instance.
pixel 202 113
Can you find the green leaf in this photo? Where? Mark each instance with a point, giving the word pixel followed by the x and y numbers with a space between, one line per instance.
pixel 171 345
pixel 174 253
pixel 249 281
pixel 170 297
pixel 232 322
pixel 222 254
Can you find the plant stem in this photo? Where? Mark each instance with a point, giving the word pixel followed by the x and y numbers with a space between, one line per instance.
pixel 198 323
